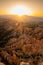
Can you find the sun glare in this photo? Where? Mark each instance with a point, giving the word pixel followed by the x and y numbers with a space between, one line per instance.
pixel 20 10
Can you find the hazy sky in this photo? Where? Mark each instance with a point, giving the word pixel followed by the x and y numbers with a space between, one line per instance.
pixel 36 6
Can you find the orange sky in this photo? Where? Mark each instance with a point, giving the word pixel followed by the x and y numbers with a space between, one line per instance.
pixel 36 6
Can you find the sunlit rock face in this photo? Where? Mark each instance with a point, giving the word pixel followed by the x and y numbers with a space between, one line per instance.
pixel 24 63
pixel 40 63
pixel 1 63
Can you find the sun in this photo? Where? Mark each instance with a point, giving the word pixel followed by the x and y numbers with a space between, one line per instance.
pixel 20 10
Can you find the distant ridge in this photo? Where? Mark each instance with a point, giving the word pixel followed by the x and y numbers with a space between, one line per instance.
pixel 25 18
